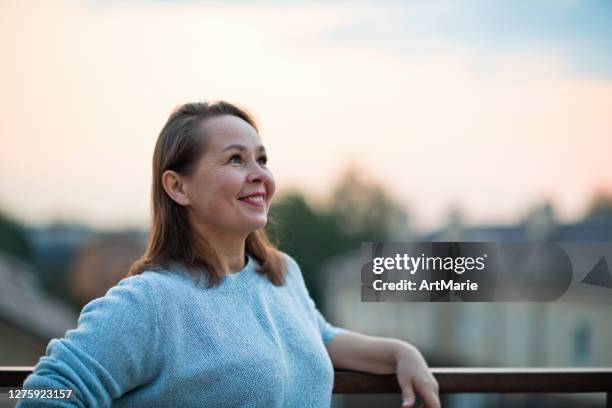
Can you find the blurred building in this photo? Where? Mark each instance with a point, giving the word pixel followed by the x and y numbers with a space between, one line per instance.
pixel 525 334
pixel 54 245
pixel 28 318
pixel 74 261
pixel 101 262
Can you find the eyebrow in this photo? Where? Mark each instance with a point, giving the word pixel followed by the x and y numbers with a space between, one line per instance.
pixel 240 147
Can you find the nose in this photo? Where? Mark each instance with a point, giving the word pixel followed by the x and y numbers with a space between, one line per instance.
pixel 256 173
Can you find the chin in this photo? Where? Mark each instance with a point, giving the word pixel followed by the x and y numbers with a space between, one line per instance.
pixel 255 225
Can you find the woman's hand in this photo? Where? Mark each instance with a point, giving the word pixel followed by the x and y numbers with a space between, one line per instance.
pixel 379 355
pixel 413 376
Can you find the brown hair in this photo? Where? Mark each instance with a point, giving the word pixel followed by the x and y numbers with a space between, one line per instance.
pixel 179 146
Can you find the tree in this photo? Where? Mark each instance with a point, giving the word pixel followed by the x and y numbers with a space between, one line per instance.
pixel 13 238
pixel 357 212
pixel 601 206
pixel 365 210
pixel 308 236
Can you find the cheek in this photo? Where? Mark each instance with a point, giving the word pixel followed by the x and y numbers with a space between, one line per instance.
pixel 230 185
pixel 221 189
pixel 270 185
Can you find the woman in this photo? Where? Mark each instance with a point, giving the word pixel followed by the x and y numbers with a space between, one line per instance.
pixel 213 315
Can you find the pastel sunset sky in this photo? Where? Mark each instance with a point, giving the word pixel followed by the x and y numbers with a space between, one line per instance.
pixel 491 107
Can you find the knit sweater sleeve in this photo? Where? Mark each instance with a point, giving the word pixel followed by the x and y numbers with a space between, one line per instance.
pixel 113 350
pixel 328 331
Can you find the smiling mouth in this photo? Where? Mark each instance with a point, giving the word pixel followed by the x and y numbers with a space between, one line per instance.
pixel 255 201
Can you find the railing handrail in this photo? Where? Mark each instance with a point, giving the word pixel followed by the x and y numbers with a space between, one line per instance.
pixel 451 380
pixel 487 380
pixel 14 376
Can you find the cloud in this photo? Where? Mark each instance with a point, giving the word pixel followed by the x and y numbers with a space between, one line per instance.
pixel 578 32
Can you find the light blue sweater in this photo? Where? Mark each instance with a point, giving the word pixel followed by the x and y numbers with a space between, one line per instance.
pixel 161 340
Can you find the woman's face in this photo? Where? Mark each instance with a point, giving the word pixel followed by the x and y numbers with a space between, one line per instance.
pixel 231 188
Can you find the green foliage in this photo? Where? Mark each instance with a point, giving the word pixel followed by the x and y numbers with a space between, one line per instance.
pixel 13 238
pixel 365 210
pixel 600 206
pixel 358 212
pixel 306 235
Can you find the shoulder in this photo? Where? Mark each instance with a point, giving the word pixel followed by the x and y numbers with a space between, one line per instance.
pixel 144 287
pixel 140 301
pixel 292 266
pixel 137 294
pixel 159 280
pixel 294 272
pixel 290 261
pixel 130 295
pixel 128 307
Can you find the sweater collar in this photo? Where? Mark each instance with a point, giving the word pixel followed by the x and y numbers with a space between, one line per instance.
pixel 243 278
pixel 240 280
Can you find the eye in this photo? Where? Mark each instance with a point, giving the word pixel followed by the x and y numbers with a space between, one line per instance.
pixel 234 158
pixel 263 160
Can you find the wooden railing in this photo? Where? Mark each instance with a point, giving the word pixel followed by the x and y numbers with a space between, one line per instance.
pixel 489 380
pixel 451 380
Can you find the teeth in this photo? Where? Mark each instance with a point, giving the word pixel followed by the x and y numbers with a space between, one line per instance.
pixel 256 199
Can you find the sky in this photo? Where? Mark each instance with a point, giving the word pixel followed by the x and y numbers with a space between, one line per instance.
pixel 489 107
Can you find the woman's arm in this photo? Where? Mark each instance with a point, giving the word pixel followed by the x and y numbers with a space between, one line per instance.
pixel 349 350
pixel 378 355
pixel 114 349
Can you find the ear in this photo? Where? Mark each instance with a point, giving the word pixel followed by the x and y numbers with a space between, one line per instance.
pixel 175 186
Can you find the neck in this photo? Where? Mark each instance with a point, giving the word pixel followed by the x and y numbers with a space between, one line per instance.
pixel 230 247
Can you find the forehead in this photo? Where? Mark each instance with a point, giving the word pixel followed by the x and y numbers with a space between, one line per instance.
pixel 226 130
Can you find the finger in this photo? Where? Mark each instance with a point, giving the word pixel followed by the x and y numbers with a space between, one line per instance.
pixel 431 399
pixel 408 396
